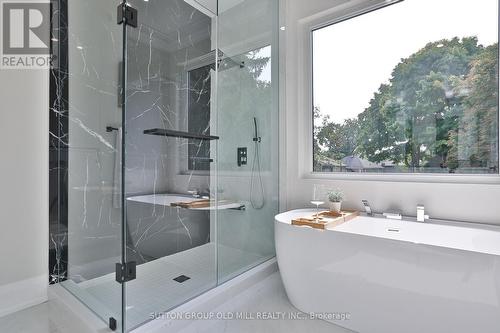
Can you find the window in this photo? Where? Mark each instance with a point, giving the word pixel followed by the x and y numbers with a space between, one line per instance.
pixel 199 95
pixel 410 88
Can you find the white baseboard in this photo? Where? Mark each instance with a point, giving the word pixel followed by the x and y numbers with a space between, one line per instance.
pixel 23 294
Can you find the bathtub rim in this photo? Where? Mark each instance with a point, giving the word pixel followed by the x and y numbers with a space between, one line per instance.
pixel 281 218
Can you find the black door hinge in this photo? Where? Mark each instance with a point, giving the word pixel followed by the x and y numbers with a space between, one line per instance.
pixel 125 272
pixel 127 14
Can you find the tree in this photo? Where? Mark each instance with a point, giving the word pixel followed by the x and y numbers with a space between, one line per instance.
pixel 338 140
pixel 380 137
pixel 475 142
pixel 438 110
pixel 422 86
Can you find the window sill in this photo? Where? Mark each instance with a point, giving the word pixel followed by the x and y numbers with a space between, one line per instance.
pixel 406 178
pixel 201 173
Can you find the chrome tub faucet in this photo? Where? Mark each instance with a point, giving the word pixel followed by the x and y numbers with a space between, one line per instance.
pixel 421 217
pixel 368 209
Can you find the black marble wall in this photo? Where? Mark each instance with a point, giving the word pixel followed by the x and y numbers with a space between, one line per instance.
pixel 58 144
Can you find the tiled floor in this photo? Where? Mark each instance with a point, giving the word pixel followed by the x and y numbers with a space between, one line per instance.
pixel 268 296
pixel 154 290
pixel 36 319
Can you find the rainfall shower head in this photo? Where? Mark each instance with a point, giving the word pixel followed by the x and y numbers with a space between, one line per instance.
pixel 224 62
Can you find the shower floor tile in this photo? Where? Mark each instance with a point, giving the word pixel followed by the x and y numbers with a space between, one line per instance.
pixel 155 289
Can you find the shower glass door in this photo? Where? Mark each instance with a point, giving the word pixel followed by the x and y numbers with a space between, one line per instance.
pixel 170 156
pixel 87 44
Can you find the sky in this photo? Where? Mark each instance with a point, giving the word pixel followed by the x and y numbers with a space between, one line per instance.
pixel 353 58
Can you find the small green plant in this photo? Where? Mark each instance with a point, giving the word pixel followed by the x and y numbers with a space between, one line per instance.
pixel 336 195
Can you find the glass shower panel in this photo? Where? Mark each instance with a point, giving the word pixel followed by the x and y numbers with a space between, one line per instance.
pixel 94 47
pixel 170 153
pixel 247 99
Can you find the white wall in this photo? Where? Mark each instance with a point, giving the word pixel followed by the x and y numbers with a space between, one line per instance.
pixel 24 188
pixel 459 200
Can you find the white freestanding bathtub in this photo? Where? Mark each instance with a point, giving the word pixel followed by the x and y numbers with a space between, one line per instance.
pixel 374 275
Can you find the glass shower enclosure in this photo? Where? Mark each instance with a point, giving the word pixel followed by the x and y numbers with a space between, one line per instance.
pixel 171 150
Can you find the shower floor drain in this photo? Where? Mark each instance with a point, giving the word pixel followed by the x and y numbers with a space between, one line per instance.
pixel 182 278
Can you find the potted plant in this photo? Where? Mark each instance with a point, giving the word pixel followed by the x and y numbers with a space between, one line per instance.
pixel 335 197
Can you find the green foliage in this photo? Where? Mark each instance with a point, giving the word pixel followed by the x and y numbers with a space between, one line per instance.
pixel 475 139
pixel 339 139
pixel 438 110
pixel 336 195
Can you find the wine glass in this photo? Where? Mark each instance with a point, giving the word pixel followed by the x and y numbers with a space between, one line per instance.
pixel 319 194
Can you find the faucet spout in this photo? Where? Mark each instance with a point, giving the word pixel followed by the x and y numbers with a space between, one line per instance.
pixel 368 209
pixel 421 217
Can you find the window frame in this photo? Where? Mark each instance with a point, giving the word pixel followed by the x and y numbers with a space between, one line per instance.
pixel 305 101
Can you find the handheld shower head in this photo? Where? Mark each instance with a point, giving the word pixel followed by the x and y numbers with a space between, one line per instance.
pixel 258 199
pixel 256 137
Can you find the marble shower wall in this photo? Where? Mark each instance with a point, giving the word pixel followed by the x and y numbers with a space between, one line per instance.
pixel 171 39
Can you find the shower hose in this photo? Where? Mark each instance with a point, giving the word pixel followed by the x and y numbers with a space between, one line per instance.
pixel 257 199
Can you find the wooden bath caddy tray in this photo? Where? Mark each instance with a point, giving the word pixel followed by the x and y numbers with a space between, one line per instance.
pixel 194 204
pixel 203 203
pixel 326 219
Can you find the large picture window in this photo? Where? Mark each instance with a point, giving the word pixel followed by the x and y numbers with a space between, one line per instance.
pixel 410 88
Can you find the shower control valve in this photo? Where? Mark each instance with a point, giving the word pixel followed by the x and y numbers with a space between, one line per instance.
pixel 242 156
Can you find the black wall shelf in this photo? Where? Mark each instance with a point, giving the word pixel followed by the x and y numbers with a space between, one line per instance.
pixel 179 134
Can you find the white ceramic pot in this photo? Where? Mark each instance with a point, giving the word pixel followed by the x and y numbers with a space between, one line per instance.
pixel 335 206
